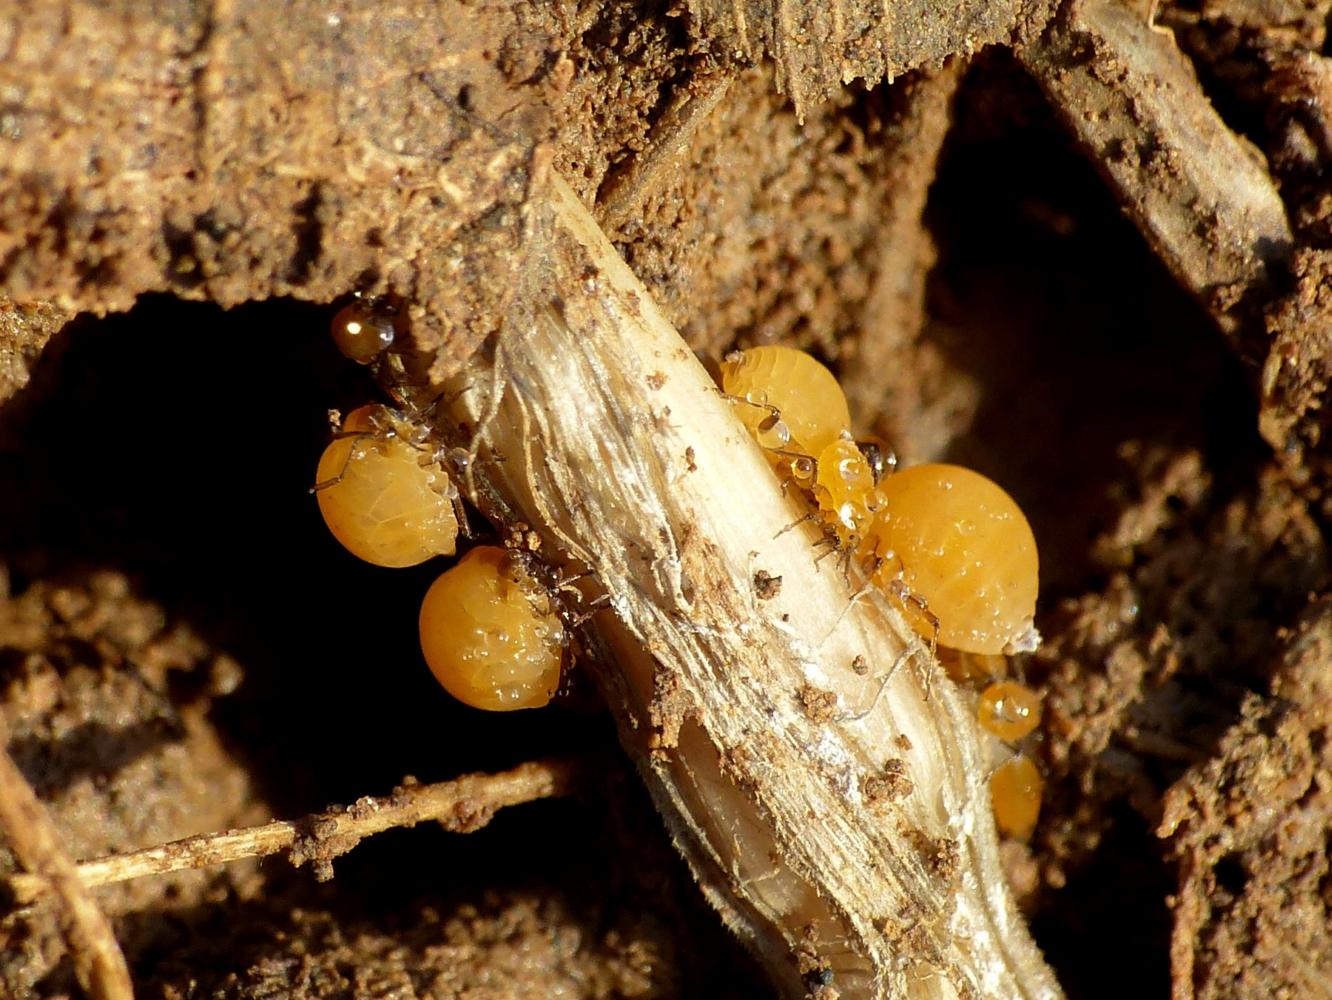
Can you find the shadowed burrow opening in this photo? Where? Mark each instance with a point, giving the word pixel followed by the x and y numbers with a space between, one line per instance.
pixel 1083 360
pixel 1085 370
pixel 177 443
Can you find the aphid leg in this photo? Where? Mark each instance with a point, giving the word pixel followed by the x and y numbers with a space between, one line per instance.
pixel 598 603
pixel 898 588
pixel 864 589
pixel 459 509
pixel 346 462
pixel 878 692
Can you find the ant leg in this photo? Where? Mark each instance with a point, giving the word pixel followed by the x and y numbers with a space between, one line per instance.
pixel 878 693
pixel 812 515
pixel 598 603
pixel 346 462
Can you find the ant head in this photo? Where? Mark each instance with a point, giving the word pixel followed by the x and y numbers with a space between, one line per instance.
pixel 363 330
pixel 881 458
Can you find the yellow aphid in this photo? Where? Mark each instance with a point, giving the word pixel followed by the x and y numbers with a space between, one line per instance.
pixel 844 490
pixel 1015 796
pixel 492 634
pixel 1009 710
pixel 956 541
pixel 385 499
pixel 787 399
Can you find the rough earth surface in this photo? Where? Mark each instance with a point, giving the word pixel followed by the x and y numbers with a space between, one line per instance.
pixel 183 649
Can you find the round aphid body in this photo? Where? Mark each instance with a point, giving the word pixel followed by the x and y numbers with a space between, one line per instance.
pixel 385 500
pixel 844 490
pixel 961 544
pixel 1015 795
pixel 786 398
pixel 362 333
pixel 1009 710
pixel 492 634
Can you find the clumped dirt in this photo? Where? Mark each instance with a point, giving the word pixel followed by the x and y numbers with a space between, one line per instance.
pixel 158 678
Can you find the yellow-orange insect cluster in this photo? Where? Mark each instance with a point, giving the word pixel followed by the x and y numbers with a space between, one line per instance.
pixel 490 631
pixel 949 544
pixel 940 537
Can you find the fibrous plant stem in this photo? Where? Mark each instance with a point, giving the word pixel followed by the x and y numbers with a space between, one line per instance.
pixel 599 440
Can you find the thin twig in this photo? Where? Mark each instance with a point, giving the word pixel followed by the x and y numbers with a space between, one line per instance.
pixel 624 192
pixel 1196 190
pixel 98 961
pixel 462 805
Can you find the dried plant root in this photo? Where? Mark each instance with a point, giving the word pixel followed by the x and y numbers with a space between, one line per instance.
pixel 1199 193
pixel 762 743
pixel 97 958
pixel 462 805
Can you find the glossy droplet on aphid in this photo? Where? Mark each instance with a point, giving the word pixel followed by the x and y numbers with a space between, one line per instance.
pixel 802 471
pixel 1009 710
pixel 381 503
pixel 1015 796
pixel 361 333
pixel 842 488
pixel 491 634
pixel 963 546
pixel 773 433
pixel 803 391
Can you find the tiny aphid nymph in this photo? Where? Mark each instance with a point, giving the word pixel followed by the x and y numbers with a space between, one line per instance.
pixel 1015 795
pixel 1009 710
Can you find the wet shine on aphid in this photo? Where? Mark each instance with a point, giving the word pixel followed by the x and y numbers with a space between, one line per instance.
pixel 387 501
pixel 798 413
pixel 492 634
pixel 948 543
pixel 1009 710
pixel 788 400
pixel 965 548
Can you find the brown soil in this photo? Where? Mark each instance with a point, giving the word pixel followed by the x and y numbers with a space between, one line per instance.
pixel 183 649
